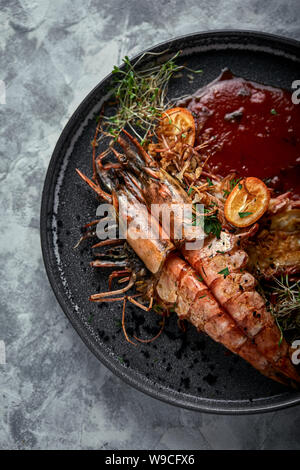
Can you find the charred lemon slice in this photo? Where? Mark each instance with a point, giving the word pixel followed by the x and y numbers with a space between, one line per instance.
pixel 247 202
pixel 176 128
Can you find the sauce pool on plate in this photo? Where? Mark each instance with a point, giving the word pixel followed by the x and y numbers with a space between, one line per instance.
pixel 253 130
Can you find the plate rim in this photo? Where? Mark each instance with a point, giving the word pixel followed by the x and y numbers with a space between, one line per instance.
pixel 135 378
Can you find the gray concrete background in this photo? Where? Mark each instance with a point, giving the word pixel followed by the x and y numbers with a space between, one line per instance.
pixel 53 392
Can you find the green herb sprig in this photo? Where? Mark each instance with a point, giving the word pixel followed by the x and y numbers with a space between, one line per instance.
pixel 287 306
pixel 224 272
pixel 232 185
pixel 140 95
pixel 211 223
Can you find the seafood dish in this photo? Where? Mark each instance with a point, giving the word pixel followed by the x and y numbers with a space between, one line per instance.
pixel 218 151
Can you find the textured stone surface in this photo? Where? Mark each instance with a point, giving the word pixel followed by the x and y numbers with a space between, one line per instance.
pixel 53 392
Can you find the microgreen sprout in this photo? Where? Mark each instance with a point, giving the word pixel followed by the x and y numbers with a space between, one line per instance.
pixel 287 306
pixel 140 95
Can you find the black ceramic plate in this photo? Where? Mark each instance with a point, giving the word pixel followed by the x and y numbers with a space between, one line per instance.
pixel 185 369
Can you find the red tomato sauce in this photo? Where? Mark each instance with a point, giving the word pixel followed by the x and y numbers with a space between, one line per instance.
pixel 252 129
